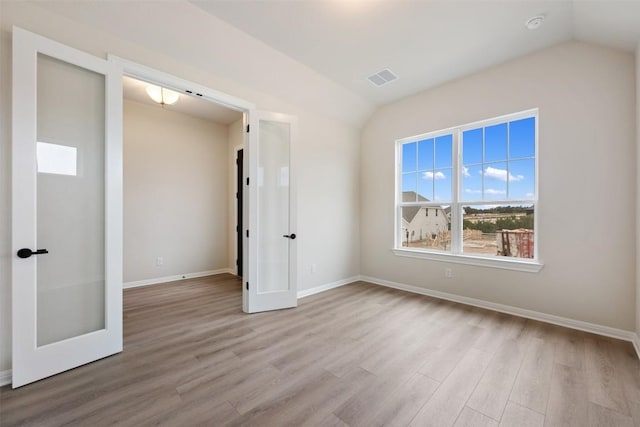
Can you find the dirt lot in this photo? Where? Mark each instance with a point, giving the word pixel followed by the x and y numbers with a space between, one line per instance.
pixel 484 244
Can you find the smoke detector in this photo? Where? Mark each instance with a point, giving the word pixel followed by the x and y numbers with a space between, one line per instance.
pixel 534 23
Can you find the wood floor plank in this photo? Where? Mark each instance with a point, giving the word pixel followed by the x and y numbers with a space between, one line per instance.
pixel 627 363
pixel 402 405
pixel 634 407
pixel 500 329
pixel 531 388
pixel 570 348
pixel 447 402
pixel 452 347
pixel 202 412
pixel 518 416
pixel 355 355
pixel 604 380
pixel 492 393
pixel 329 421
pixel 600 416
pixel 568 399
pixel 328 399
pixel 282 404
pixel 358 410
pixel 470 418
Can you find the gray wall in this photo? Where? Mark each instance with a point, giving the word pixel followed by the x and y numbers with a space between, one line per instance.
pixel 587 188
pixel 175 193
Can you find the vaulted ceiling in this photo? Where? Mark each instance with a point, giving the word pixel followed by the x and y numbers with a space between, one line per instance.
pixel 425 43
pixel 317 54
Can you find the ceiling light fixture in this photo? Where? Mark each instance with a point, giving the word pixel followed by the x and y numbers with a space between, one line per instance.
pixel 534 23
pixel 161 95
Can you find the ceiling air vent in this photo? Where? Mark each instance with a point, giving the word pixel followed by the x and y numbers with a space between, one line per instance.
pixel 383 77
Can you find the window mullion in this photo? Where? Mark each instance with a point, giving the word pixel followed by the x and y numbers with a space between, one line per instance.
pixel 456 222
pixel 508 160
pixel 398 208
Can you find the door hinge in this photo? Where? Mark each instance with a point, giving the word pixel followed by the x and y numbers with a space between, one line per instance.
pixel 237 262
pixel 247 285
pixel 248 128
pixel 247 232
pixel 247 180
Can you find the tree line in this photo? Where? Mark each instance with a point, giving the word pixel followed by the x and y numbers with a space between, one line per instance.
pixel 509 223
pixel 498 209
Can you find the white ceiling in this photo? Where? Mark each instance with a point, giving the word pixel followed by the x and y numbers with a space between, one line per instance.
pixel 426 43
pixel 135 90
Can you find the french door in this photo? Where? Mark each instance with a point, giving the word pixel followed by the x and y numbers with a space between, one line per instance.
pixel 271 236
pixel 67 208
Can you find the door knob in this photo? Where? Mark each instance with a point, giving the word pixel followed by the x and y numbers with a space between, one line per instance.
pixel 290 236
pixel 26 252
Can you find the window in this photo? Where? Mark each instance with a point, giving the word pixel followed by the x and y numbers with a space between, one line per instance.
pixel 480 180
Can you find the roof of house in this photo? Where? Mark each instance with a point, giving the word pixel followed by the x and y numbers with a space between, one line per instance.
pixel 410 212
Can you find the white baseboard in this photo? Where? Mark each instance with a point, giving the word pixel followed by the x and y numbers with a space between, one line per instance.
pixel 165 279
pixel 327 286
pixel 5 377
pixel 636 344
pixel 516 311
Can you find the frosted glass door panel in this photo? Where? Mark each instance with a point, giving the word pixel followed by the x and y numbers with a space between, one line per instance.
pixel 273 206
pixel 70 201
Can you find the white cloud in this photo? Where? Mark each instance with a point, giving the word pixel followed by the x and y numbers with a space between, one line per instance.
pixel 431 175
pixel 501 174
pixel 470 191
pixel 529 195
pixel 465 172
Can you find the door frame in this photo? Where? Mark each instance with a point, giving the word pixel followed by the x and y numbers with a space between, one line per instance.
pixel 189 88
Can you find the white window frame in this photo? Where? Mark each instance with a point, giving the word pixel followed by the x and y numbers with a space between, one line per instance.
pixel 456 255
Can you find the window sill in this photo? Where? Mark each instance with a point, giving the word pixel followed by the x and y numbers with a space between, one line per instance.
pixel 495 262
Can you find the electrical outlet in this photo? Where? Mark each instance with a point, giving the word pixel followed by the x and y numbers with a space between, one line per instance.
pixel 159 261
pixel 448 273
pixel 314 268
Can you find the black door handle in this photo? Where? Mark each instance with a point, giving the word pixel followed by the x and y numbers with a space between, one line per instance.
pixel 26 252
pixel 289 236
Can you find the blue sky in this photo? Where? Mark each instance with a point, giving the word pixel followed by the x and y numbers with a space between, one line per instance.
pixel 505 169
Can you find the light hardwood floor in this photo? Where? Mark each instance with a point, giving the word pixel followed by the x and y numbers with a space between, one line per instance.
pixel 360 355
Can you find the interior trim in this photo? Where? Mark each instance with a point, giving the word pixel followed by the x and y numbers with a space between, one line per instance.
pixel 505 263
pixel 636 344
pixel 158 280
pixel 5 377
pixel 327 286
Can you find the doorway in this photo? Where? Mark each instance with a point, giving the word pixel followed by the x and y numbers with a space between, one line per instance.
pixel 269 220
pixel 179 172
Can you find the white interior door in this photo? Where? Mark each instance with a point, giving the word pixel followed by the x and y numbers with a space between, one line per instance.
pixel 271 238
pixel 67 207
